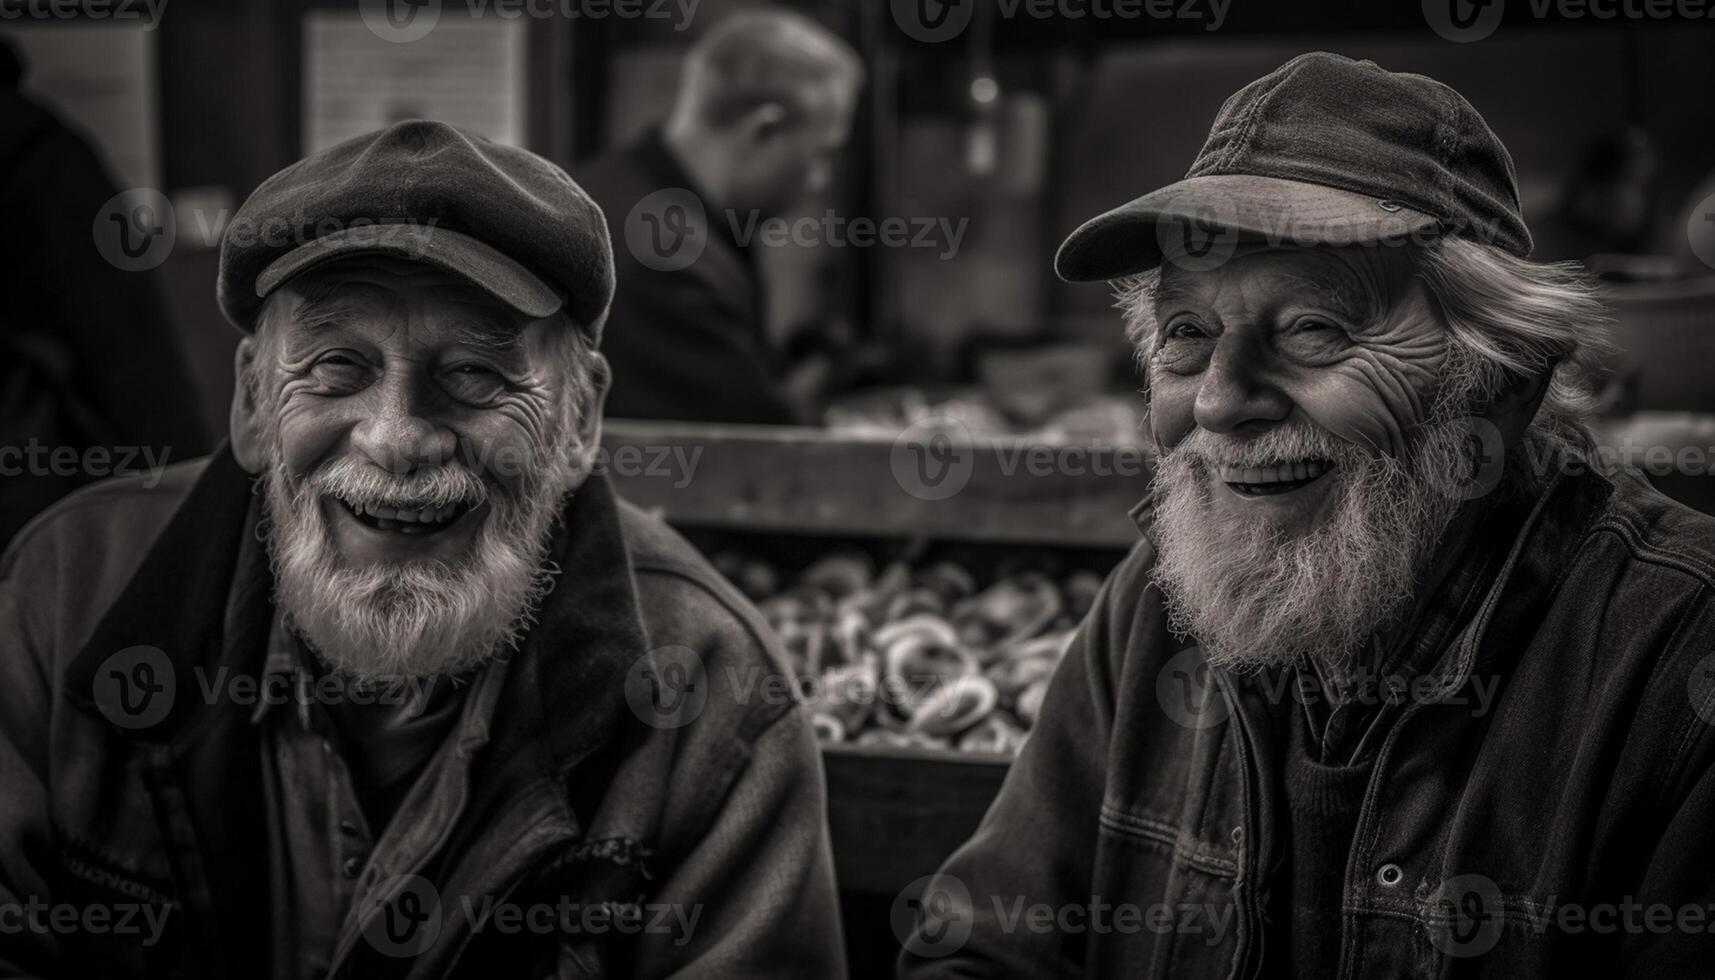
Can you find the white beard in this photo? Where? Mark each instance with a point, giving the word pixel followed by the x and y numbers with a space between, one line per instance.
pixel 383 623
pixel 1253 596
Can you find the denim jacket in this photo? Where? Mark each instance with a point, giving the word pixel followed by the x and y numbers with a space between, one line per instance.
pixel 583 799
pixel 1546 809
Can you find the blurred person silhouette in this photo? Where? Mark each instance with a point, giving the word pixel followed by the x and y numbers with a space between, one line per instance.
pixel 1607 203
pixel 89 359
pixel 764 107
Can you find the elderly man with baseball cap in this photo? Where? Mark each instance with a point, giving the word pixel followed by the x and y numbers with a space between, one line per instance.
pixel 1397 683
pixel 392 685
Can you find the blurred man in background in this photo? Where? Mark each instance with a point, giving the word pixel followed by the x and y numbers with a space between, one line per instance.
pixel 764 107
pixel 89 359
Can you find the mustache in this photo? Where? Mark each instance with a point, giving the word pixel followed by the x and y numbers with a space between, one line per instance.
pixel 360 484
pixel 1282 444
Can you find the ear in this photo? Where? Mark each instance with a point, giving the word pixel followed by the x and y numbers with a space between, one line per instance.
pixel 245 422
pixel 763 122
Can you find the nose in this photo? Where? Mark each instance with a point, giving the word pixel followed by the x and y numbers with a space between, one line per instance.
pixel 397 435
pixel 1236 395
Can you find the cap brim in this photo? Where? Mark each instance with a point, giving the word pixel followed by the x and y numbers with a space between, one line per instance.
pixel 450 251
pixel 1200 216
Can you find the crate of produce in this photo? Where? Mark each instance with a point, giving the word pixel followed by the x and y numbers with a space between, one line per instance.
pixel 921 632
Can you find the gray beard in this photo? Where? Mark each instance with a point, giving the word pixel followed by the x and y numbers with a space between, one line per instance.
pixel 383 623
pixel 1255 597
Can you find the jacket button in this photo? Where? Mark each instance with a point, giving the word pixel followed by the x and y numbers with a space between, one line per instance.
pixel 1389 875
pixel 352 866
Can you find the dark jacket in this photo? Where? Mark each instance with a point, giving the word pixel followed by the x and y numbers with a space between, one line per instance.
pixel 89 356
pixel 685 343
pixel 1499 837
pixel 574 799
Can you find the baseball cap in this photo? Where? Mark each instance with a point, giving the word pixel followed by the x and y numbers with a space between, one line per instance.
pixel 503 218
pixel 1322 150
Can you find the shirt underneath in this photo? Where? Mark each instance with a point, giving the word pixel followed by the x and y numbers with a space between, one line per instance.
pixel 356 793
pixel 1328 756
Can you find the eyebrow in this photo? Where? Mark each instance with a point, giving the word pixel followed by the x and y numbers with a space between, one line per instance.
pixel 494 334
pixel 1358 302
pixel 317 316
pixel 490 335
pixel 1169 291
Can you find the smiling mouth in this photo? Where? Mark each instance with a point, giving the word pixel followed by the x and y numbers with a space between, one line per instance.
pixel 1270 481
pixel 405 520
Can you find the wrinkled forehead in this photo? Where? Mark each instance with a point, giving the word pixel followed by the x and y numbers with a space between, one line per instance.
pixel 369 295
pixel 1364 282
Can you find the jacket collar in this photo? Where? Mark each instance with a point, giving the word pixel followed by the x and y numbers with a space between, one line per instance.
pixel 1556 526
pixel 176 603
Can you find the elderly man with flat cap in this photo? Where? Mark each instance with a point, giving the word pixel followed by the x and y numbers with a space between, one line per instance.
pixel 1397 684
pixel 392 685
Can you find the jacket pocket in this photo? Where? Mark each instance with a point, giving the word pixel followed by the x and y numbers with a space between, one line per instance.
pixel 1172 902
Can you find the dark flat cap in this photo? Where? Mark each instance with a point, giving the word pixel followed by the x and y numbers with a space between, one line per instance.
pixel 503 218
pixel 1322 150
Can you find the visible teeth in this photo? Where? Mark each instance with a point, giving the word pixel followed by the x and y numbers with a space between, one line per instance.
pixel 389 517
pixel 1280 473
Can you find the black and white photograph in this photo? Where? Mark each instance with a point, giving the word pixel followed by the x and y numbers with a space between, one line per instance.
pixel 825 489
